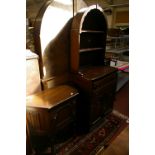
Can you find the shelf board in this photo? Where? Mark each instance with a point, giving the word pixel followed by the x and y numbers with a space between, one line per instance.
pixel 91 31
pixel 117 50
pixel 119 37
pixel 90 49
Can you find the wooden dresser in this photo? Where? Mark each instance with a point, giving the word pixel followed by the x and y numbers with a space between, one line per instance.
pixel 51 113
pixel 96 81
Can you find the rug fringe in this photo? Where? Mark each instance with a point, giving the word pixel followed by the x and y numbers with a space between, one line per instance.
pixel 117 113
pixel 100 150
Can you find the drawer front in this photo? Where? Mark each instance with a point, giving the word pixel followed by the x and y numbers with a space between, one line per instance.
pixel 110 86
pixel 103 81
pixel 63 115
pixel 63 120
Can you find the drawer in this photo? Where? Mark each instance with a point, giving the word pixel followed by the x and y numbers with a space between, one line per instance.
pixel 63 120
pixel 110 86
pixel 104 81
pixel 64 114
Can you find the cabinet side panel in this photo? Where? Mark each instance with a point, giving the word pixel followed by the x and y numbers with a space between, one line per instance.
pixel 74 50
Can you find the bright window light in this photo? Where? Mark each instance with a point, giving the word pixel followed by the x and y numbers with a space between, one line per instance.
pixel 53 21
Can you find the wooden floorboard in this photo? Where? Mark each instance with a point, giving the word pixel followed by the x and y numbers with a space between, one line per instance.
pixel 120 146
pixel 121 102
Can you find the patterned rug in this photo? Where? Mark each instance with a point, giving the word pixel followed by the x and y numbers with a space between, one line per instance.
pixel 98 139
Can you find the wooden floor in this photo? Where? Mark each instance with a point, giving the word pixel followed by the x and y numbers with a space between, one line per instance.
pixel 120 145
pixel 121 103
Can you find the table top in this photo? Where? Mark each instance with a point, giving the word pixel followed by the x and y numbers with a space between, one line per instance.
pixel 51 97
pixel 93 73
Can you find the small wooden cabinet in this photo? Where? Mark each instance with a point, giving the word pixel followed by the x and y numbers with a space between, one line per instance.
pixel 95 81
pixel 51 113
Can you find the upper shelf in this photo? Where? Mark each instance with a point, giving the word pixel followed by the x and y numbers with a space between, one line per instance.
pixel 91 31
pixel 88 38
pixel 90 49
pixel 119 37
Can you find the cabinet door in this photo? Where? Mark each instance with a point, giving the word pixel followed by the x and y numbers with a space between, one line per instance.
pixel 107 102
pixel 95 110
pixel 102 100
pixel 65 119
pixel 101 105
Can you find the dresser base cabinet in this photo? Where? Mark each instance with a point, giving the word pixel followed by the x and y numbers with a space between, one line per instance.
pixel 97 87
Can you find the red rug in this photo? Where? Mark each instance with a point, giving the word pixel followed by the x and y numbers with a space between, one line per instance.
pixel 99 138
